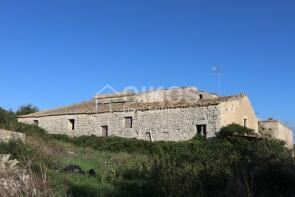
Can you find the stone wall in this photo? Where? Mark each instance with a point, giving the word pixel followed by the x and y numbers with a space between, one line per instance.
pixel 161 124
pixel 166 124
pixel 162 95
pixel 239 111
pixel 10 135
pixel 173 94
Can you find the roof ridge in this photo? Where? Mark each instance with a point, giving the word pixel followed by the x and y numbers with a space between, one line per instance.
pixel 89 107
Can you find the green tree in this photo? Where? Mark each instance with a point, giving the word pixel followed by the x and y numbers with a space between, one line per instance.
pixel 26 109
pixel 235 130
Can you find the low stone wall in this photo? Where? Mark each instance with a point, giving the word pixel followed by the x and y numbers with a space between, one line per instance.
pixel 10 135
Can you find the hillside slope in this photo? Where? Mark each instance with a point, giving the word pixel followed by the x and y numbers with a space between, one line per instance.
pixel 227 165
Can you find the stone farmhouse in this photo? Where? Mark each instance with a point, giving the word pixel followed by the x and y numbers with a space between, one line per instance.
pixel 168 114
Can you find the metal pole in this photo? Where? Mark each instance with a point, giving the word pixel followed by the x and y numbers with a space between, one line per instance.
pixel 219 81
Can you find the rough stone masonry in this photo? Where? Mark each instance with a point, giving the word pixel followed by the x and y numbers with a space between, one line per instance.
pixel 168 114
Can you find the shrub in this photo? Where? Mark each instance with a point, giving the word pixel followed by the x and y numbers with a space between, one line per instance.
pixel 7 119
pixel 235 130
pixel 235 163
pixel 26 109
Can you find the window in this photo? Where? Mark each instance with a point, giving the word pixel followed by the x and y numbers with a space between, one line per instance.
pixel 201 96
pixel 104 131
pixel 72 124
pixel 36 122
pixel 202 130
pixel 128 122
pixel 245 122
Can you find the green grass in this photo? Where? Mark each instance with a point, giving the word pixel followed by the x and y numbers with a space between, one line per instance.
pixel 227 165
pixel 112 168
pixel 79 185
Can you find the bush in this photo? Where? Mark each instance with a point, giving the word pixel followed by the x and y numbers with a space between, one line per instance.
pixel 235 130
pixel 234 163
pixel 7 119
pixel 17 149
pixel 26 109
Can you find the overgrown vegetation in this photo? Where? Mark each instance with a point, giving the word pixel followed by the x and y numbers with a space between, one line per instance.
pixel 27 109
pixel 235 163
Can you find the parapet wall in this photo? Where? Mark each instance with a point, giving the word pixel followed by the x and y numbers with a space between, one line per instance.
pixel 162 95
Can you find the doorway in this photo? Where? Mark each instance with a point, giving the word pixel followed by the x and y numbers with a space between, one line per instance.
pixel 104 131
pixel 202 130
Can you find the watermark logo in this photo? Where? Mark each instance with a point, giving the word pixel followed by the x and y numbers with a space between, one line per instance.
pixel 107 89
pixel 149 94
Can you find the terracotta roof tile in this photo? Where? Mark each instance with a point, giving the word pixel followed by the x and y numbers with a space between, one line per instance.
pixel 89 107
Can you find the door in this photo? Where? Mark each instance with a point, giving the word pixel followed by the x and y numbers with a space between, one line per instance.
pixel 202 130
pixel 104 131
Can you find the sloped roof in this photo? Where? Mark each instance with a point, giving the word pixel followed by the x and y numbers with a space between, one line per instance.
pixel 89 107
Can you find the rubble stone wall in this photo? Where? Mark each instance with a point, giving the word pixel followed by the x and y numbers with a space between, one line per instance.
pixel 10 135
pixel 166 124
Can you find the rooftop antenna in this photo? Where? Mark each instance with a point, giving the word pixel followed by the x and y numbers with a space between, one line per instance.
pixel 217 70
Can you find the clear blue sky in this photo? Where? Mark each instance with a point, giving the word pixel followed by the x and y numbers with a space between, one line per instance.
pixel 57 52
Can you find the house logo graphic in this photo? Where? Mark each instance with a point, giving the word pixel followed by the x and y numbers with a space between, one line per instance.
pixel 107 89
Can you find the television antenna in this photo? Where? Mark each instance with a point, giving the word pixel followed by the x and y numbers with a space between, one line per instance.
pixel 217 70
